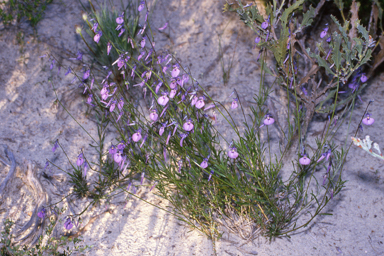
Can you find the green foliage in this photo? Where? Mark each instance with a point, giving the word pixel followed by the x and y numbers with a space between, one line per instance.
pixel 32 10
pixel 46 245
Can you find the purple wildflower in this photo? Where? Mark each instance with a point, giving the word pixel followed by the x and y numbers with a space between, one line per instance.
pixel 268 119
pixel 121 146
pixel 210 176
pixel 188 125
pixel 368 120
pixel 86 74
pixel 79 55
pixel 142 178
pixel 363 78
pixel 118 157
pixel 95 25
pixel 173 84
pixel 183 136
pixel 55 146
pixel 304 160
pixel 204 164
pixel 97 37
pixel 112 150
pixel 153 115
pixel 194 100
pixel 175 71
pixel 142 43
pixel 109 47
pixel 172 94
pixel 169 136
pixel 121 32
pixel 113 105
pixel 200 103
pixel 234 104
pixel 120 105
pixel 322 157
pixel 68 71
pixel 163 100
pixel 232 153
pixel 264 25
pixel 41 214
pixel 80 159
pixel 257 40
pixel 120 20
pixel 324 32
pixel 141 6
pixel 85 169
pixel 136 136
pixel 68 224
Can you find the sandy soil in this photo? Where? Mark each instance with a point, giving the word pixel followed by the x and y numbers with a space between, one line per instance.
pixel 31 121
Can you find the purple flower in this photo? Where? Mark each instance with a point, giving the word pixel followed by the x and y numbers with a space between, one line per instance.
pixel 163 27
pixel 80 159
pixel 329 153
pixel 136 136
pixel 322 157
pixel 55 146
pixel 121 146
pixel 109 47
pixel 183 136
pixel 194 100
pixel 121 32
pixel 120 105
pixel 204 164
pixel 141 6
pixel 118 157
pixel 79 55
pixel 173 84
pixel 264 25
pixel 188 125
pixel 210 176
pixel 175 71
pixel 268 119
pixel 85 169
pixel 68 224
pixel 95 25
pixel 120 20
pixel 86 74
pixel 324 32
pixel 163 100
pixel 113 105
pixel 161 130
pixel 68 71
pixel 154 116
pixel 304 160
pixel 142 178
pixel 41 214
pixel 368 120
pixel 185 78
pixel 234 103
pixel 257 40
pixel 200 103
pixel 232 153
pixel 169 136
pixel 112 150
pixel 172 94
pixel 142 43
pixel 363 78
pixel 97 37
pixel 329 39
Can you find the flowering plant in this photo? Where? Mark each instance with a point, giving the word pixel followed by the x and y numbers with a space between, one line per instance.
pixel 166 134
